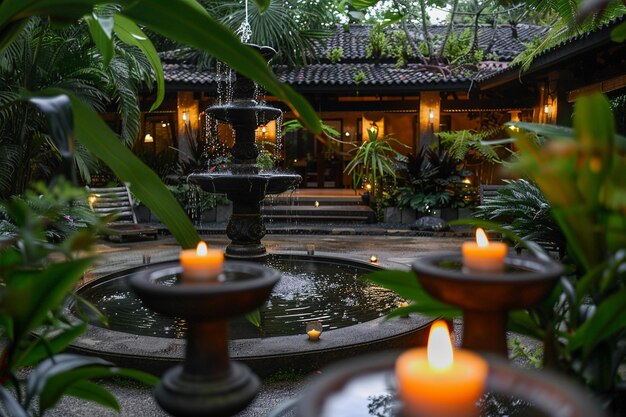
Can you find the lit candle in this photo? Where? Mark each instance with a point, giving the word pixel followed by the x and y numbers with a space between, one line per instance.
pixel 437 381
pixel 483 256
pixel 201 264
pixel 314 334
pixel 374 259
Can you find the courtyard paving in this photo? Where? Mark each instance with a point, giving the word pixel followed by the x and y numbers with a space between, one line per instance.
pixel 136 400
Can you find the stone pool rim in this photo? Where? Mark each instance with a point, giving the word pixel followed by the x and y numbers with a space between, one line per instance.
pixel 264 355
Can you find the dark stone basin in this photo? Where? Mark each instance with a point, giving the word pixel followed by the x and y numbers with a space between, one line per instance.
pixel 250 186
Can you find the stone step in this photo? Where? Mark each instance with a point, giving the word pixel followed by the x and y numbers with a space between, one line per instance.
pixel 324 213
pixel 284 200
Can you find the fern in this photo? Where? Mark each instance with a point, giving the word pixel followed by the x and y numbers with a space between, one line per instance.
pixel 521 207
pixel 460 142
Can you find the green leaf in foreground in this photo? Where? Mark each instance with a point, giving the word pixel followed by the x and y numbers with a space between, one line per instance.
pixel 89 391
pixel 406 285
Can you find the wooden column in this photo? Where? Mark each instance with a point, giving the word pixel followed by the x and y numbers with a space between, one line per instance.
pixel 186 104
pixel 430 106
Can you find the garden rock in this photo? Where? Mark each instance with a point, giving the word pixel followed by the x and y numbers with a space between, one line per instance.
pixel 429 223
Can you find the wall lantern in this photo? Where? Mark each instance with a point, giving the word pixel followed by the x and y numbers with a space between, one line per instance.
pixel 148 138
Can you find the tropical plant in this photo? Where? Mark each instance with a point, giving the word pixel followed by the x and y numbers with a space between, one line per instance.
pixel 435 181
pixel 581 172
pixel 373 162
pixel 289 26
pixel 462 142
pixel 520 206
pixel 44 56
pixel 34 374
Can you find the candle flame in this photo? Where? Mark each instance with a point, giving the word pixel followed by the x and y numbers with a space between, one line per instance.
pixel 439 348
pixel 481 238
pixel 202 249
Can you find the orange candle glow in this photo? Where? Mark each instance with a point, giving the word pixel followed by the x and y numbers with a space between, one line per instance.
pixel 201 264
pixel 437 381
pixel 314 335
pixel 483 256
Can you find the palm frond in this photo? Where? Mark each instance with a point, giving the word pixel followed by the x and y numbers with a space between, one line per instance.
pixel 521 207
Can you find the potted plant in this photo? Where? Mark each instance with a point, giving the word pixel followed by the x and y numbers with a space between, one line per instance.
pixel 436 182
pixel 373 164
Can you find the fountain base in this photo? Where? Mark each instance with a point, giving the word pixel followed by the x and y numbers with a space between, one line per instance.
pixel 181 394
pixel 245 252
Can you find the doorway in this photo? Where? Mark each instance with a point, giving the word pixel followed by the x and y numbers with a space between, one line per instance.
pixel 320 164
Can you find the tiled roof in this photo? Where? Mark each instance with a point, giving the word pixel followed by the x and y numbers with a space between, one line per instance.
pixel 376 74
pixel 506 45
pixel 552 52
pixel 354 61
pixel 186 73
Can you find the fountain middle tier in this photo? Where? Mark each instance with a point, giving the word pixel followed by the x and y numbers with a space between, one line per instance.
pixel 245 186
pixel 245 228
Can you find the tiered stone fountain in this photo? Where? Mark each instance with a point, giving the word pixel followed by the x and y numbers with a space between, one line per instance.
pixel 243 184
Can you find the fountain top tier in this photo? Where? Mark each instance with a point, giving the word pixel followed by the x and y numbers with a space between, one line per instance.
pixel 242 109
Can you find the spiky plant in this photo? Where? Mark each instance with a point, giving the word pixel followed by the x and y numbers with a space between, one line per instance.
pixel 521 207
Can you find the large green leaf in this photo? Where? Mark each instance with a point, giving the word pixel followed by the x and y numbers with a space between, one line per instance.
pixel 594 127
pixel 10 32
pixel 15 10
pixel 619 33
pixel 71 371
pixel 406 285
pixel 363 4
pixel 101 30
pixel 59 384
pixel 263 4
pixel 44 346
pixel 131 34
pixel 98 138
pixel 57 364
pixel 30 295
pixel 89 391
pixel 609 318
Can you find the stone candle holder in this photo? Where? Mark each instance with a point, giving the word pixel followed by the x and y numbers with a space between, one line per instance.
pixel 207 383
pixel 486 298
